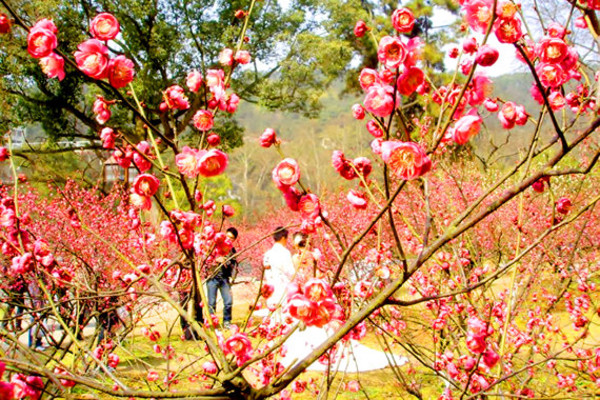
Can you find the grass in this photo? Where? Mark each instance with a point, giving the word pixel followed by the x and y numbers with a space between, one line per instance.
pixel 138 357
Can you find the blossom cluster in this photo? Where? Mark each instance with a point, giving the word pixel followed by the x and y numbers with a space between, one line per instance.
pixel 188 229
pixel 399 76
pixel 238 345
pixel 285 176
pixel 556 62
pixel 93 59
pixel 18 243
pixel 20 386
pixel 313 304
pixel 92 56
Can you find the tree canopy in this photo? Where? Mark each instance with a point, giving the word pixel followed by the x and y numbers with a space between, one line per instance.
pixel 297 50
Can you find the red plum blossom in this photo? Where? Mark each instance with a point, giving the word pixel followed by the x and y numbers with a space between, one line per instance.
pixel 41 40
pixel 5 23
pixel 406 160
pixel 391 51
pixel 203 120
pixel 53 66
pixel 360 28
pixel 403 20
pixel 212 163
pixel 286 173
pixel 104 26
pixel 120 71
pixel 92 58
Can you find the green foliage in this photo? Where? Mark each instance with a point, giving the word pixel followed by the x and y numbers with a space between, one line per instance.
pixel 294 59
pixel 298 51
pixel 50 166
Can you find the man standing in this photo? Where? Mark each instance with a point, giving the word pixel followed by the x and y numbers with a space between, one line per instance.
pixel 279 267
pixel 220 281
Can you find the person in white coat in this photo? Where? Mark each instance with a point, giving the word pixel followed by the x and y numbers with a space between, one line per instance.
pixel 279 267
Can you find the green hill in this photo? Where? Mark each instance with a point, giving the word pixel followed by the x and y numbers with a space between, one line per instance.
pixel 311 141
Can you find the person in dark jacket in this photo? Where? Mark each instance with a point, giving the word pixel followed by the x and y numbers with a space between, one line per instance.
pixel 221 281
pixel 194 310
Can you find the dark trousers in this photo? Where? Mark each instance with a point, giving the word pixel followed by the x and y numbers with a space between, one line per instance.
pixel 188 331
pixel 107 320
pixel 224 287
